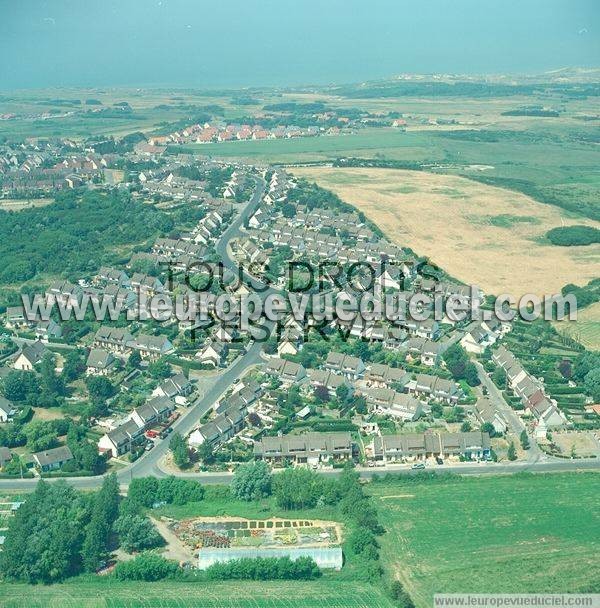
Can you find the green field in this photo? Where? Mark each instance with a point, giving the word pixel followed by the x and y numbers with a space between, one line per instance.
pixel 106 593
pixel 586 330
pixel 505 534
pixel 519 533
pixel 551 165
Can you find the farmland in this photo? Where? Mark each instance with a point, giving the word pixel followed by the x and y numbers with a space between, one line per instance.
pixel 586 330
pixel 517 534
pixel 485 235
pixel 105 593
pixel 469 534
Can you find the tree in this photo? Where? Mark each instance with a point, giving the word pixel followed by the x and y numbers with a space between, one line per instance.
pixel 50 381
pixel 288 210
pixel 585 363
pixel 174 490
pixel 471 375
pixel 342 392
pixel 99 387
pixel 499 378
pixel 104 513
pixel 142 490
pixel 512 452
pixel 205 453
pixel 437 410
pixel 159 369
pixel 321 393
pixel 41 435
pixel 19 384
pixel 252 481
pixel 465 427
pixel 591 382
pixel 137 533
pixel 401 597
pixel 488 427
pixel 296 488
pixel 456 360
pixel 74 366
pixel 179 448
pixel 134 360
pixel 361 541
pixel 44 538
pixel 524 440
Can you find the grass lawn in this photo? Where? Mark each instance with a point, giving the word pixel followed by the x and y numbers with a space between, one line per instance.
pixel 519 533
pixel 107 593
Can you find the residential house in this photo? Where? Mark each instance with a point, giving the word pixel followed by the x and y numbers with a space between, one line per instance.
pixel 351 367
pixel 220 429
pixel 435 388
pixel 380 375
pixel 5 456
pixel 326 378
pixel 121 439
pixel 50 460
pixel 176 387
pixel 7 410
pixel 15 318
pixel 115 339
pixel 45 330
pixel 311 449
pixel 486 413
pixel 287 371
pixel 154 411
pixel 212 353
pixel 29 356
pixel 389 402
pixel 99 362
pixel 151 347
pixel 419 446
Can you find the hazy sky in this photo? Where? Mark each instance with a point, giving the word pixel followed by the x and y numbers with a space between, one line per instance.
pixel 280 42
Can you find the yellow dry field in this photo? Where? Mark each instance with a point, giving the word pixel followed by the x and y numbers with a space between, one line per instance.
pixel 480 234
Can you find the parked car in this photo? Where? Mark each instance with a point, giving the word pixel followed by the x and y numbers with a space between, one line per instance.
pixel 439 460
pixel 418 465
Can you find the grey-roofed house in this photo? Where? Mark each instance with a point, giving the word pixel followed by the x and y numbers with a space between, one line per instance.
pixel 176 387
pixel 50 460
pixel 288 371
pixel 29 356
pixel 487 414
pixel 99 362
pixel 419 446
pixel 7 410
pixel 311 448
pixel 5 456
pixel 116 339
pixel 152 347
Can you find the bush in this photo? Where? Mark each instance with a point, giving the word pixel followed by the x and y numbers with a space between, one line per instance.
pixel 264 569
pixel 568 236
pixel 146 491
pixel 146 567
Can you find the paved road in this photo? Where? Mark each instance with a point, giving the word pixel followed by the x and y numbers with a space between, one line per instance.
pixel 553 466
pixel 515 424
